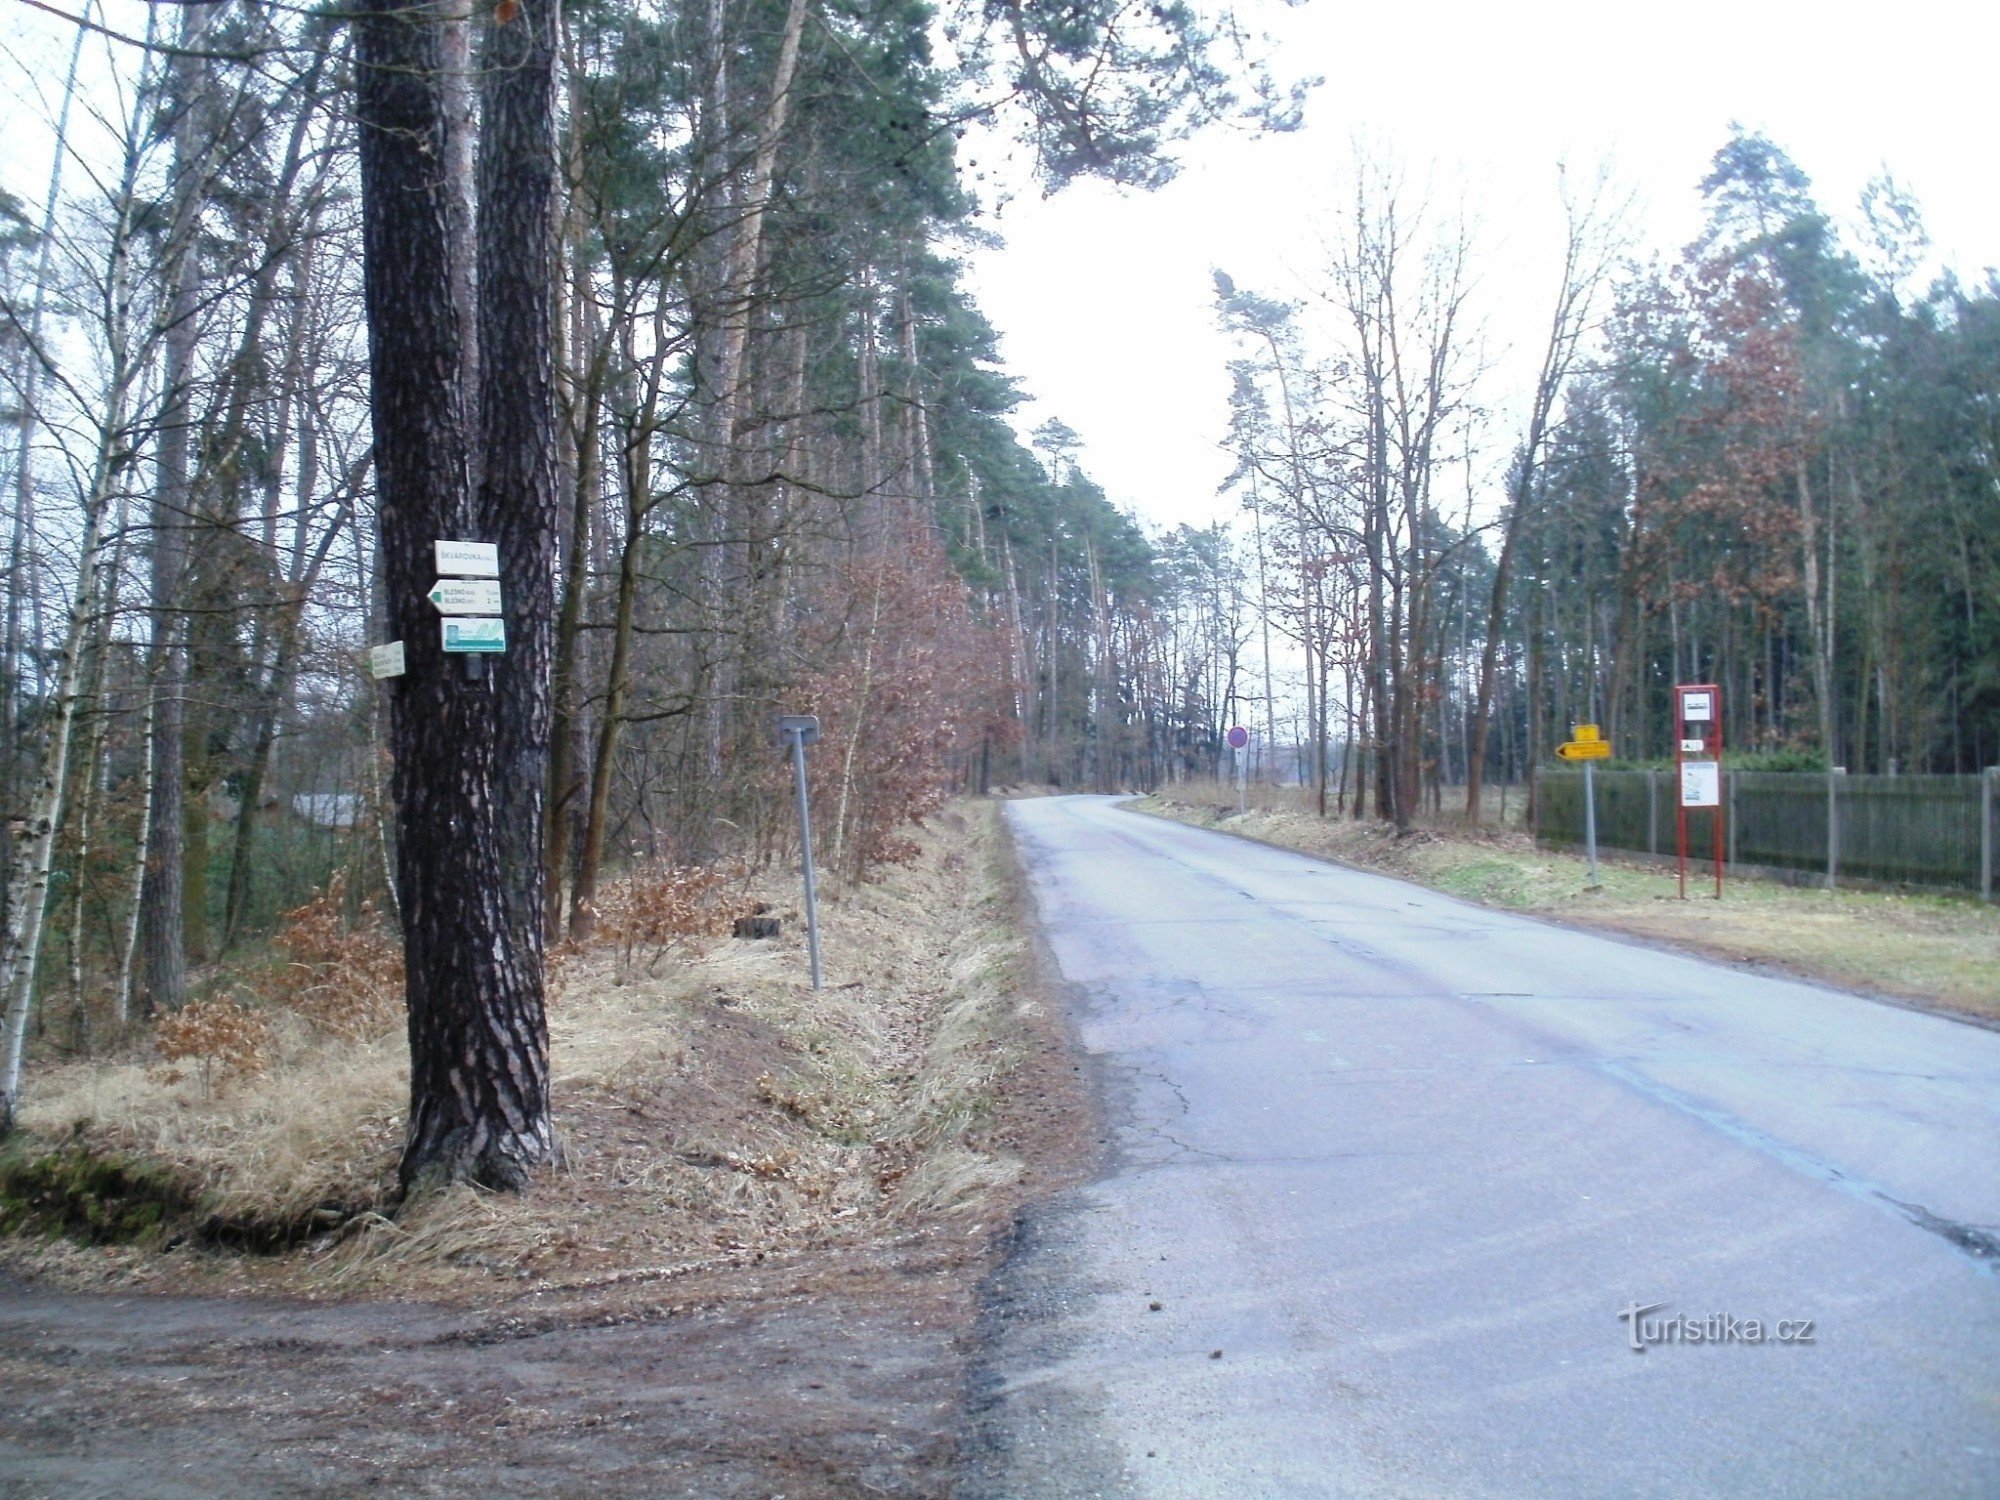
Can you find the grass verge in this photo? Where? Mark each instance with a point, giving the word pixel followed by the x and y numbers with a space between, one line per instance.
pixel 714 1111
pixel 1937 952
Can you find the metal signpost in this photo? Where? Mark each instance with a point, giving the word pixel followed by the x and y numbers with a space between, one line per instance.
pixel 1698 760
pixel 1588 745
pixel 799 731
pixel 1239 741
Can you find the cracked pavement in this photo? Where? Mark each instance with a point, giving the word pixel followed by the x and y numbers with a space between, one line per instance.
pixel 1382 1169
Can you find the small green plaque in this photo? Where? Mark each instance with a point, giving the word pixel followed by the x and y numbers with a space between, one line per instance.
pixel 470 633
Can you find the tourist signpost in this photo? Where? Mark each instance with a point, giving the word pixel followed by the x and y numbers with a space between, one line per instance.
pixel 1588 745
pixel 1698 764
pixel 467 596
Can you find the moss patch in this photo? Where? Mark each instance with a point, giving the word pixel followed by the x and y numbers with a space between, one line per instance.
pixel 89 1197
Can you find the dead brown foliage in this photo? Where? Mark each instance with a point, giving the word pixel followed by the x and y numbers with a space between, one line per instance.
pixel 228 1041
pixel 345 978
pixel 653 911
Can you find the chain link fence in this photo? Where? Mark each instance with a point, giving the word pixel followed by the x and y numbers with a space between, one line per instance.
pixel 1937 831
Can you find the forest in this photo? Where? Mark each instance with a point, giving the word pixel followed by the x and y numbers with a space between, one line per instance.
pixel 1765 461
pixel 669 304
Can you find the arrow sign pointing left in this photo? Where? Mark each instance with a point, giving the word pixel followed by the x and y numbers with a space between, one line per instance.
pixel 466 596
pixel 1585 750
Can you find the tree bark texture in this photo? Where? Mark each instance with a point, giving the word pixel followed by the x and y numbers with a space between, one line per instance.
pixel 519 268
pixel 163 929
pixel 479 1108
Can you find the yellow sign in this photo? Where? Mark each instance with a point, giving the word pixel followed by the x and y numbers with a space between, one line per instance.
pixel 1586 734
pixel 1581 749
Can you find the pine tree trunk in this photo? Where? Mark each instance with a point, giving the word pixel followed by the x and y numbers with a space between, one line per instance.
pixel 468 749
pixel 583 389
pixel 519 267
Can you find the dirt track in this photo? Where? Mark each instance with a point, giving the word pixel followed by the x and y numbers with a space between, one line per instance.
pixel 832 1379
pixel 810 1369
pixel 831 1372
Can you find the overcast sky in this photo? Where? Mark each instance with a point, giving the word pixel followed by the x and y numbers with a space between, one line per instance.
pixel 1104 298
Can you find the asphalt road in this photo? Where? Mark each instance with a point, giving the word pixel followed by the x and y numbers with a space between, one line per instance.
pixel 1391 1166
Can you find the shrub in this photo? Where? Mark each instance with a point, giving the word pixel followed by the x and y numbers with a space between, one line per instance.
pixel 230 1041
pixel 657 909
pixel 347 980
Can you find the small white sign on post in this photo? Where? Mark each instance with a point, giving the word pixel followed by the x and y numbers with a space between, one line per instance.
pixel 1697 708
pixel 468 559
pixel 1701 784
pixel 386 661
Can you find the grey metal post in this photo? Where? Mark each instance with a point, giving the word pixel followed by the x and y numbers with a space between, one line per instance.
pixel 1729 777
pixel 1833 775
pixel 1590 822
pixel 798 740
pixel 1242 792
pixel 1652 812
pixel 1986 782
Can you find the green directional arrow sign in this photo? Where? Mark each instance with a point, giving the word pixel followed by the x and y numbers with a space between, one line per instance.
pixel 466 596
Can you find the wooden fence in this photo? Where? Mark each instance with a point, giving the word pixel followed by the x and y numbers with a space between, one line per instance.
pixel 1909 830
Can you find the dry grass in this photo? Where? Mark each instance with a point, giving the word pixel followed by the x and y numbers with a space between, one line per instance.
pixel 1937 951
pixel 318 1126
pixel 712 1107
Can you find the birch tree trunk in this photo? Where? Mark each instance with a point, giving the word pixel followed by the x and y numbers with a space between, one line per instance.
pixel 34 849
pixel 31 856
pixel 21 570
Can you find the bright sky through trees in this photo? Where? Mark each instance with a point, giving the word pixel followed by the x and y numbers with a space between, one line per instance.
pixel 1104 297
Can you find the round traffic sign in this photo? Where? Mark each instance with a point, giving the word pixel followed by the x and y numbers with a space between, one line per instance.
pixel 1238 737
